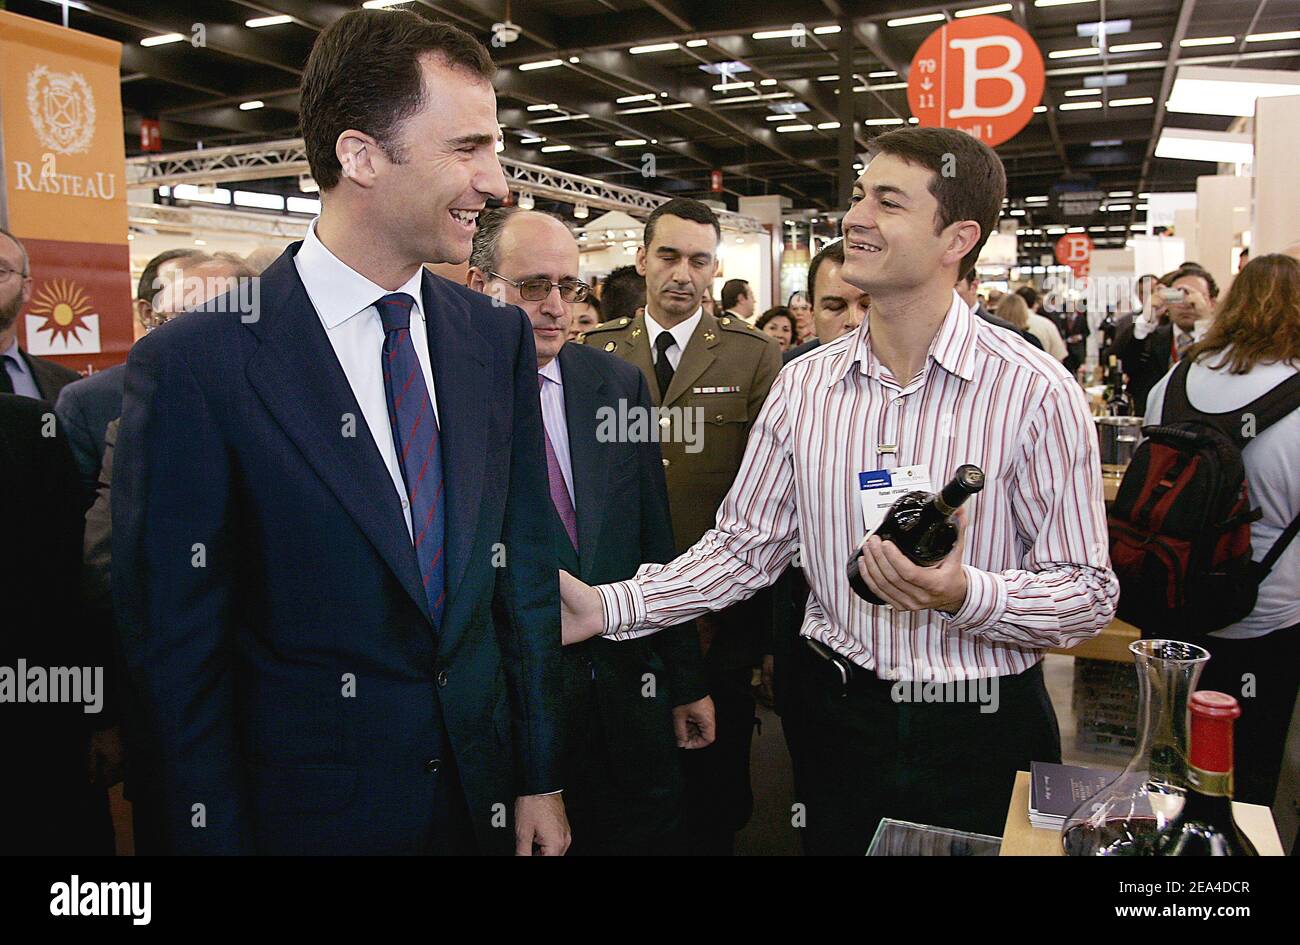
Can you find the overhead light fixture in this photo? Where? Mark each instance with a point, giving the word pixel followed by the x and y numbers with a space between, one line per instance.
pixel 1017 213
pixel 800 127
pixel 1135 47
pixel 1120 193
pixel 1126 102
pixel 535 139
pixel 828 78
pixel 724 86
pixel 162 39
pixel 580 211
pixel 767 82
pixel 1038 109
pixel 1071 93
pixel 1210 91
pixel 548 121
pixel 881 88
pixel 1105 81
pixel 629 142
pixel 1216 147
pixel 1107 143
pixel 1036 199
pixel 883 121
pixel 886 74
pixel 653 48
pixel 697 43
pixel 381 4
pixel 1272 37
pixel 540 64
pixel 307 184
pixel 913 20
pixel 1074 53
pixel 827 125
pixel 1208 41
pixel 984 11
pixel 543 108
pixel 526 201
pixel 777 34
pixel 258 200
pixel 1060 3
pixel 826 30
pixel 647 97
pixel 1117 207
pixel 1078 106
pixel 783 117
pixel 259 22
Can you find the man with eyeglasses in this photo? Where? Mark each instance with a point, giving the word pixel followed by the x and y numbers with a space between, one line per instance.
pixel 627 708
pixel 20 372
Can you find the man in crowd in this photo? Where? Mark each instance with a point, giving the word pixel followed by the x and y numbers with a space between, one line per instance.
pixel 968 288
pixel 1178 314
pixel 22 373
pixel 714 373
pixel 622 295
pixel 838 307
pixel 622 778
pixel 334 572
pixel 923 383
pixel 738 299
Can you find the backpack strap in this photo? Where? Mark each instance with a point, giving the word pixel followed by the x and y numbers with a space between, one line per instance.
pixel 1279 546
pixel 1267 409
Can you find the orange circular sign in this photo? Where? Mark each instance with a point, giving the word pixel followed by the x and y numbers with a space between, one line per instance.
pixel 982 75
pixel 1075 250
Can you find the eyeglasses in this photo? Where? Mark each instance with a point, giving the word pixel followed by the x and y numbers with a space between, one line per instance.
pixel 6 272
pixel 534 290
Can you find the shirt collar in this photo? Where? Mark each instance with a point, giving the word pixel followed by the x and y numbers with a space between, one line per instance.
pixel 16 354
pixel 552 372
pixel 337 290
pixel 681 332
pixel 953 347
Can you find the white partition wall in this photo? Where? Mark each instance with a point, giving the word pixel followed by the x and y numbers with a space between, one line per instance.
pixel 1277 175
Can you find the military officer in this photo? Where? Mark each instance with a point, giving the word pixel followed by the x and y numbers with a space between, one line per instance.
pixel 709 377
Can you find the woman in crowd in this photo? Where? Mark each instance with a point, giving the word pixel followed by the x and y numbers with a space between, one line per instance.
pixel 778 322
pixel 1253 346
pixel 801 308
pixel 1013 309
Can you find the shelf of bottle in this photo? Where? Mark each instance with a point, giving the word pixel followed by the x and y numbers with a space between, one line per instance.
pixel 1021 838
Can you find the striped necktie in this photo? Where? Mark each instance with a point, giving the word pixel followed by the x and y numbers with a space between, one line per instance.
pixel 415 436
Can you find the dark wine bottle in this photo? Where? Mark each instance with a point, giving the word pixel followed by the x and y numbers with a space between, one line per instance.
pixel 1117 399
pixel 919 523
pixel 1205 826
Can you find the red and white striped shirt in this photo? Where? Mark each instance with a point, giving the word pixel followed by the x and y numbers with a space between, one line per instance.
pixel 1036 558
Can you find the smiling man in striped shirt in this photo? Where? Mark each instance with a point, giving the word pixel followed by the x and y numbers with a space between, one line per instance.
pixel 921 382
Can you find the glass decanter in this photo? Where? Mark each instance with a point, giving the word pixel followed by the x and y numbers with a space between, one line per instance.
pixel 1124 817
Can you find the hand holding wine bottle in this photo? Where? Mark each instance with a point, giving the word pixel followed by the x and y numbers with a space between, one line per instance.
pixel 913 560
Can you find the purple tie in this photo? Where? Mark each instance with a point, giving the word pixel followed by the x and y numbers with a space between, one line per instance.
pixel 559 491
pixel 415 434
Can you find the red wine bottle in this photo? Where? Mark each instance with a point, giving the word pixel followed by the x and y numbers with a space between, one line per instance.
pixel 1205 826
pixel 919 523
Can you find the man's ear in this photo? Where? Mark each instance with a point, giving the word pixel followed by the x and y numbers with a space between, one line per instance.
pixel 143 312
pixel 27 289
pixel 474 279
pixel 965 234
pixel 359 156
pixel 640 261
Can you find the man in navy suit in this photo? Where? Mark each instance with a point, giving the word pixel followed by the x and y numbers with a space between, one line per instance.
pixel 627 708
pixel 334 571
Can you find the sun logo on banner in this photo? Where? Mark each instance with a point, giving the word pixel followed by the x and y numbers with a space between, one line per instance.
pixel 61 320
pixel 62 109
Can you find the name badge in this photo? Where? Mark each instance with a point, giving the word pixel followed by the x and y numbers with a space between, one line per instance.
pixel 878 489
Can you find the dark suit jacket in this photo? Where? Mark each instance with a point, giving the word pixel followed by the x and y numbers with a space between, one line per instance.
pixel 798 350
pixel 621 501
pixel 50 376
pixel 269 597
pixel 1145 361
pixel 85 408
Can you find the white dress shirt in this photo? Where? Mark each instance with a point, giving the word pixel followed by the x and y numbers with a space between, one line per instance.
pixel 1272 462
pixel 345 302
pixel 1036 557
pixel 557 424
pixel 20 377
pixel 681 333
pixel 1146 322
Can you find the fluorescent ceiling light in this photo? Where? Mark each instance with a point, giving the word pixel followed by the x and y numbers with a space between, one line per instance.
pixel 1017 213
pixel 555 148
pixel 887 74
pixel 913 20
pixel 1221 147
pixel 782 117
pixel 1107 143
pixel 1071 93
pixel 828 78
pixel 1210 91
pixel 696 43
pixel 1120 193
pixel 251 106
pixel 543 108
pixel 380 4
pixel 1209 41
pixel 1037 198
pixel 827 125
pixel 767 82
pixel 778 34
pixel 654 108
pixel 251 198
pixel 1117 207
pixel 1040 108
pixel 547 121
pixel 258 22
pixel 1272 37
pixel 162 40
pixel 536 139
pixel 881 88
pixel 982 11
pixel 800 127
pixel 629 142
pixel 1078 106
pixel 1060 3
pixel 1125 102
pixel 653 47
pixel 883 121
pixel 724 86
pixel 1073 53
pixel 1134 47
pixel 303 205
pixel 626 99
pixel 192 193
pixel 826 30
pixel 540 64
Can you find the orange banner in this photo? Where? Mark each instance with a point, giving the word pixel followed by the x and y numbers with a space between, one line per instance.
pixel 63 166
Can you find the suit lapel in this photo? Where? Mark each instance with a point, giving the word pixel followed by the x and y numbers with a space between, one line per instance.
pixel 582 386
pixel 695 359
pixel 460 357
pixel 298 377
pixel 637 345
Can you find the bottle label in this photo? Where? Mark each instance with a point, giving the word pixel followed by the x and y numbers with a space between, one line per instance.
pixel 1210 783
pixel 879 489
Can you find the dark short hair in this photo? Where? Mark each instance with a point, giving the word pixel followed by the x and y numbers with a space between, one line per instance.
pixel 623 293
pixel 732 290
pixel 970 276
pixel 832 251
pixel 1029 294
pixel 779 311
pixel 968 179
pixel 798 293
pixel 1194 269
pixel 364 73
pixel 687 209
pixel 144 289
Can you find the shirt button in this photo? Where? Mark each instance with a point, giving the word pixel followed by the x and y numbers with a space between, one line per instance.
pixel 898 401
pixel 432 765
pixel 665 464
pixel 442 678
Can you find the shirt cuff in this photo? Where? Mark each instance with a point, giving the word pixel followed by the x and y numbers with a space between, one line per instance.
pixel 1143 327
pixel 624 608
pixel 986 601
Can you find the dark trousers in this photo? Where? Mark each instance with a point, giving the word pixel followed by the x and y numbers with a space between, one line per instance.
pixel 719 799
pixel 859 755
pixel 1262 674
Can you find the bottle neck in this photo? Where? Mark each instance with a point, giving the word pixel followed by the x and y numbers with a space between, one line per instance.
pixel 950 498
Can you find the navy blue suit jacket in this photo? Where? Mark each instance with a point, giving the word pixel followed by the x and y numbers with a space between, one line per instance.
pixel 85 408
pixel 269 598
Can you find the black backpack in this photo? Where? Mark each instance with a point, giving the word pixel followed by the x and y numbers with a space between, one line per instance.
pixel 1180 525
